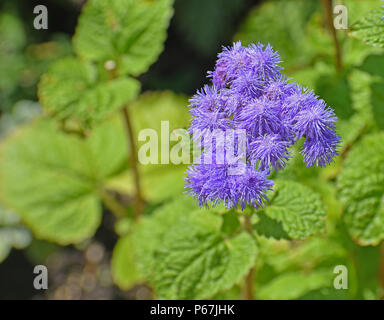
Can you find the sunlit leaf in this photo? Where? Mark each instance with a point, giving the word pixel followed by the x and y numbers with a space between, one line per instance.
pixel 129 32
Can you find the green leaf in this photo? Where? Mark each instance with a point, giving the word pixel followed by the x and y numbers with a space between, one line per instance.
pixel 12 34
pixel 351 129
pixel 158 182
pixel 293 285
pixel 59 199
pixel 107 145
pixel 153 107
pixel 361 189
pixel 233 293
pixel 72 89
pixel 377 101
pixel 374 65
pixel 308 255
pixel 269 228
pixel 123 266
pixel 129 32
pixel 196 262
pixel 231 223
pixel 151 230
pixel 306 262
pixel 335 90
pixel 359 9
pixel 367 261
pixel 180 222
pixel 363 119
pixel 298 208
pixel 370 28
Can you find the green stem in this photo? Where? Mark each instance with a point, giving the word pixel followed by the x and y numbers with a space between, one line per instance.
pixel 249 278
pixel 112 204
pixel 138 206
pixel 327 4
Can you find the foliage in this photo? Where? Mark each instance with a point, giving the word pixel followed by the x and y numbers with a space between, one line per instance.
pixel 59 200
pixel 83 96
pixel 67 167
pixel 129 32
pixel 361 185
pixel 370 28
pixel 298 209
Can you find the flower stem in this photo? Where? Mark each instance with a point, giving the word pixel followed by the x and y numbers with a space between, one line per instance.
pixel 133 162
pixel 138 206
pixel 327 4
pixel 249 278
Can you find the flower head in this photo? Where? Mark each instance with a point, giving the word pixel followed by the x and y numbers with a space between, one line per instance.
pixel 247 85
pixel 278 89
pixel 320 152
pixel 249 94
pixel 315 121
pixel 259 117
pixel 299 99
pixel 230 62
pixel 251 187
pixel 207 99
pixel 264 61
pixel 269 150
pixel 209 120
pixel 212 184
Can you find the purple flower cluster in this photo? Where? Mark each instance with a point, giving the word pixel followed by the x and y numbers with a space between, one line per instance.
pixel 249 92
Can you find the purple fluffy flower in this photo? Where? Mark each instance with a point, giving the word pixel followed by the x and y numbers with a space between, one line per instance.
pixel 208 183
pixel 207 99
pixel 315 121
pixel 251 187
pixel 278 89
pixel 229 63
pixel 212 184
pixel 259 117
pixel 209 120
pixel 269 114
pixel 247 85
pixel 270 150
pixel 320 152
pixel 299 99
pixel 233 103
pixel 264 61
